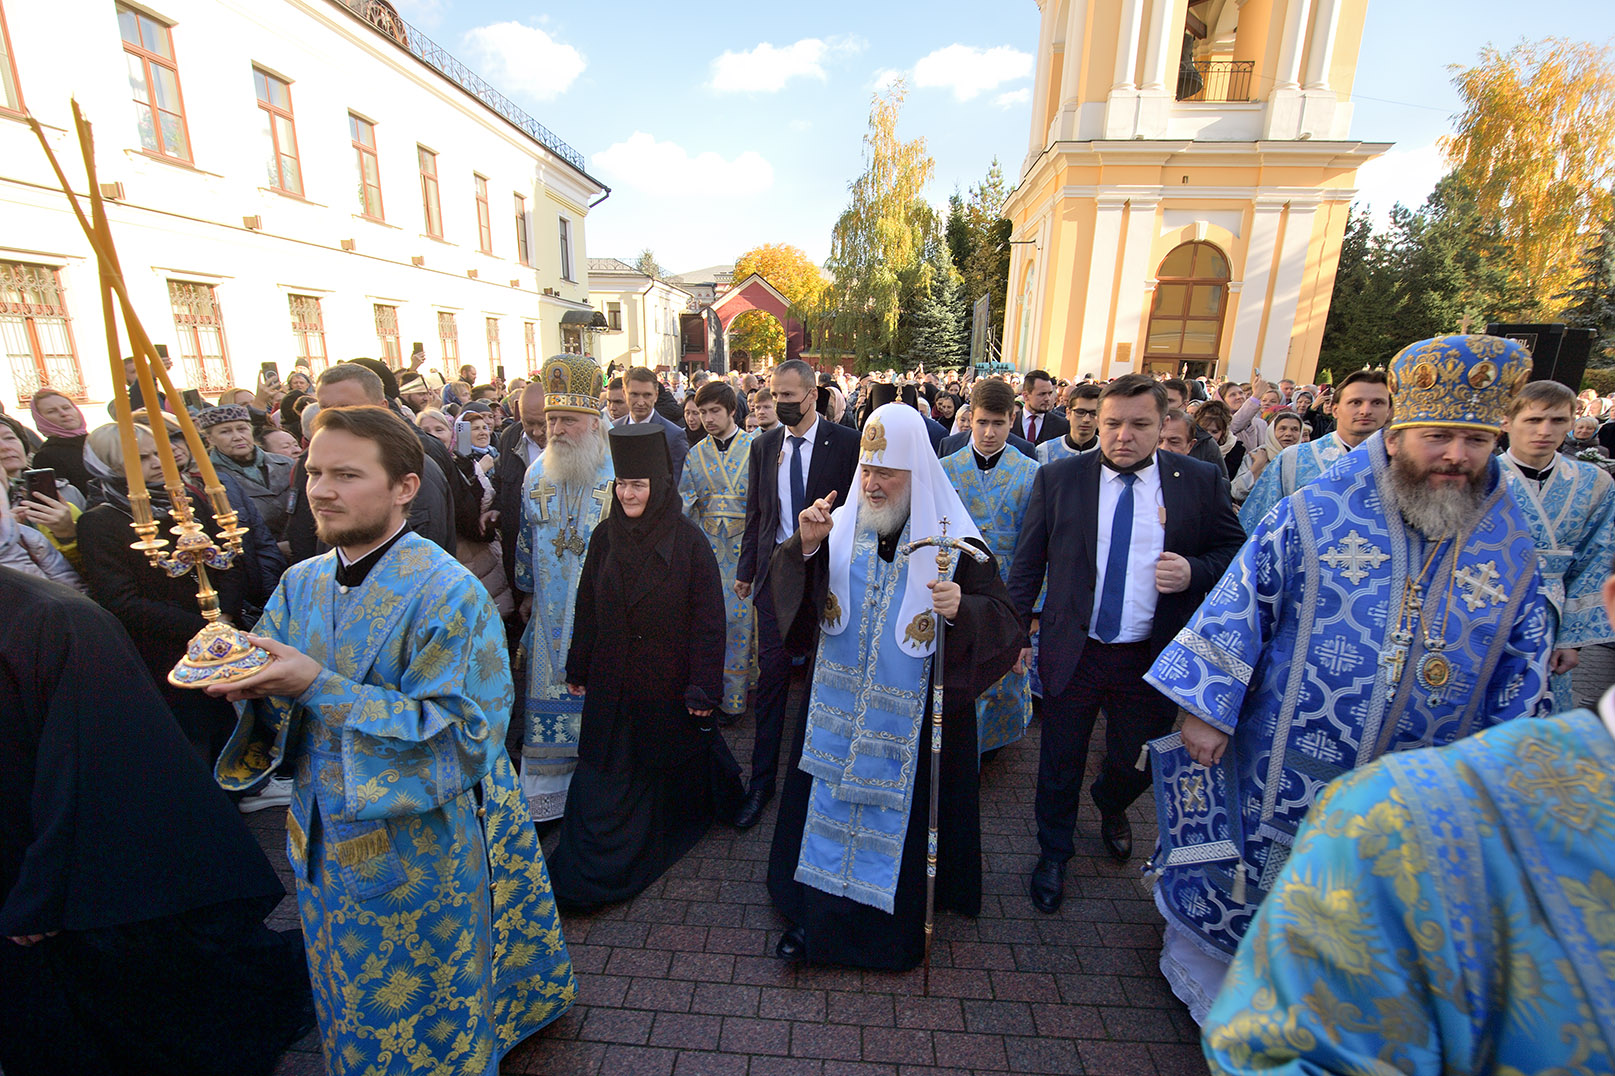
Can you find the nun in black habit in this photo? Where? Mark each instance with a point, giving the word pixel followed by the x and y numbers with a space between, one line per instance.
pixel 647 655
pixel 132 896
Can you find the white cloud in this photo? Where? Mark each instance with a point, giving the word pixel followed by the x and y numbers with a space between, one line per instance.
pixel 970 71
pixel 884 78
pixel 521 59
pixel 421 12
pixel 767 68
pixel 1402 175
pixel 1013 97
pixel 668 169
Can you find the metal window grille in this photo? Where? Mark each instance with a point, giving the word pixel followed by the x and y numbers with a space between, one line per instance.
pixel 154 79
pixel 308 329
pixel 1224 81
pixel 201 335
pixel 36 333
pixel 530 339
pixel 275 101
pixel 448 339
pixel 392 348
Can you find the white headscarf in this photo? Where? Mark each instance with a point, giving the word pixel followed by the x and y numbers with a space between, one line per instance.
pixel 895 437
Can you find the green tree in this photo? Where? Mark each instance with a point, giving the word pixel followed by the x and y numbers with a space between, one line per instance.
pixel 940 337
pixel 1590 300
pixel 646 263
pixel 879 245
pixel 1358 330
pixel 986 268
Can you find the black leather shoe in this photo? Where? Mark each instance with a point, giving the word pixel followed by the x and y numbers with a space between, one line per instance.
pixel 1117 833
pixel 751 810
pixel 792 945
pixel 726 719
pixel 1048 885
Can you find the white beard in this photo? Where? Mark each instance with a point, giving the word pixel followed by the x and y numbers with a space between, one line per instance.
pixel 886 520
pixel 574 464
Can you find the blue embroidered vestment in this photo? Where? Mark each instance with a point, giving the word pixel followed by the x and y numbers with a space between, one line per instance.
pixel 713 488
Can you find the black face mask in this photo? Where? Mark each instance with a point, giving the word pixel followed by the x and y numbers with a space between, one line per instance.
pixel 790 413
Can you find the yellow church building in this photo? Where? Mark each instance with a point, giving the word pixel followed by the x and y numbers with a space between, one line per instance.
pixel 1186 188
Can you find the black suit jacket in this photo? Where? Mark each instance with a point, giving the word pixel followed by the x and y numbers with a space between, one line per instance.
pixel 510 473
pixel 1063 515
pixel 953 442
pixel 1049 426
pixel 834 463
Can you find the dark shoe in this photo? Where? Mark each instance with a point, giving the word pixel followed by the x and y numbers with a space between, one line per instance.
pixel 1048 885
pixel 792 945
pixel 752 809
pixel 725 718
pixel 1117 833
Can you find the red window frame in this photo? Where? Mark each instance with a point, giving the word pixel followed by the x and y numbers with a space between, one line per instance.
pixel 31 295
pixel 392 347
pixel 141 50
pixel 282 161
pixel 200 322
pixel 431 203
pixel 365 151
pixel 524 249
pixel 10 84
pixel 308 329
pixel 484 221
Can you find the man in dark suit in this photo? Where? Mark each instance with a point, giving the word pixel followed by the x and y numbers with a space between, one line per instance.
pixel 801 460
pixel 643 392
pixel 1038 422
pixel 1142 536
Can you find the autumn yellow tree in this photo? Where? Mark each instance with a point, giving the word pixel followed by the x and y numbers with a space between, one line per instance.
pixel 794 275
pixel 1535 146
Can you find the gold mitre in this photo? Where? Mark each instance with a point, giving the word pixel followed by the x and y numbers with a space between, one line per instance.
pixel 1459 381
pixel 571 383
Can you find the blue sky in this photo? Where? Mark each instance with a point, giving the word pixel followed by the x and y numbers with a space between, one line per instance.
pixel 721 126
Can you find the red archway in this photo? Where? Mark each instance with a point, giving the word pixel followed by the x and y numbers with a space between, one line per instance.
pixel 756 293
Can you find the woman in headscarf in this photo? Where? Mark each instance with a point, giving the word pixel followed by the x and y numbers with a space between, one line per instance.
pixel 647 655
pixel 62 424
pixel 158 610
pixel 298 381
pixel 1283 430
pixel 1215 418
pixel 694 430
pixel 476 518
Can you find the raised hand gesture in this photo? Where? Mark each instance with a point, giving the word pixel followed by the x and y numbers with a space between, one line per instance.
pixel 814 523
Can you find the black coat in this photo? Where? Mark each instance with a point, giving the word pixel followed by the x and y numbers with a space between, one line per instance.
pixel 833 466
pixel 1049 426
pixel 649 652
pixel 65 456
pixel 1063 515
pixel 510 475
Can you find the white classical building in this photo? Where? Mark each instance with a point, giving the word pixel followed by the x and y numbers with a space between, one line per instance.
pixel 639 316
pixel 288 179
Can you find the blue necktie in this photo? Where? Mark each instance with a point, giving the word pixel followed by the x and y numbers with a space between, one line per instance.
pixel 798 485
pixel 1108 624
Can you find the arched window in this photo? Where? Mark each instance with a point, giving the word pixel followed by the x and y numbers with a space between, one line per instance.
pixel 1186 320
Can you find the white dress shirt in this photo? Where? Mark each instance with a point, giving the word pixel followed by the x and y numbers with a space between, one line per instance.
pixel 1148 543
pixel 787 522
pixel 1026 425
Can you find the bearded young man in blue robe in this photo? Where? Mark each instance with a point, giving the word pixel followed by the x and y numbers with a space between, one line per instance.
pixel 1362 408
pixel 713 488
pixel 432 937
pixel 1393 604
pixel 566 493
pixel 995 485
pixel 1444 911
pixel 1570 507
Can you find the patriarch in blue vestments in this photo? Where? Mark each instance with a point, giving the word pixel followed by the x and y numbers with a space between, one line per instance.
pixel 1394 603
pixel 1447 910
pixel 428 919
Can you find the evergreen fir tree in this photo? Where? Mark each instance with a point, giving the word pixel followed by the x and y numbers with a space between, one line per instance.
pixel 1590 301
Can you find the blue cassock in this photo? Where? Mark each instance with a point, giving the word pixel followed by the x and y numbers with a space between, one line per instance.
pixel 1570 516
pixel 1445 911
pixel 1296 654
pixel 997 502
pixel 1296 466
pixel 554 536
pixel 713 488
pixel 433 939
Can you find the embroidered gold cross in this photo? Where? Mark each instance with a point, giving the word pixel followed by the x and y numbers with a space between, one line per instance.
pixel 1575 798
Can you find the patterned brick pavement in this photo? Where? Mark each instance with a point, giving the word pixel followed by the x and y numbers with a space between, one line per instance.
pixel 682 981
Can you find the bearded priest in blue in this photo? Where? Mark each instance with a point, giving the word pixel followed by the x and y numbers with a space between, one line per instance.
pixel 713 488
pixel 566 493
pixel 1444 911
pixel 431 932
pixel 1570 508
pixel 1394 603
pixel 995 486
pixel 848 864
pixel 1362 406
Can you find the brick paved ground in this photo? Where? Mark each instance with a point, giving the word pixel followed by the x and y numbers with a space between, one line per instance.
pixel 682 981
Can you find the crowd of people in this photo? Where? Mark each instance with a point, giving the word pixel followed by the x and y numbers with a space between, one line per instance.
pixel 501 609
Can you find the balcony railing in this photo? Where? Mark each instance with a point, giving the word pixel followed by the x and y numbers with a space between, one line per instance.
pixel 382 16
pixel 1216 80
